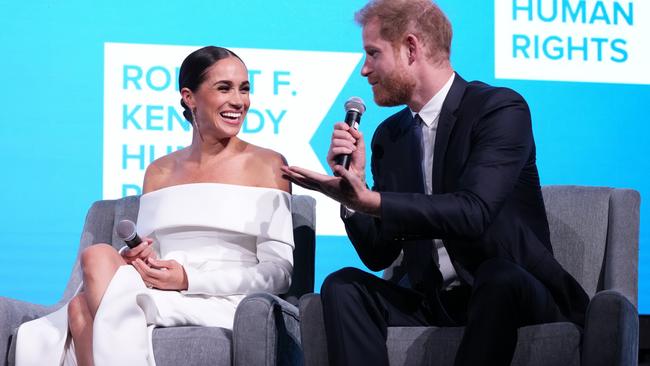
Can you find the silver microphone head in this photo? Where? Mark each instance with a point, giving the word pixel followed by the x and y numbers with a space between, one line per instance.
pixel 126 230
pixel 355 104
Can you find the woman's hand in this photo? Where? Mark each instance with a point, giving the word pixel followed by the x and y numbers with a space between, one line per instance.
pixel 143 251
pixel 162 274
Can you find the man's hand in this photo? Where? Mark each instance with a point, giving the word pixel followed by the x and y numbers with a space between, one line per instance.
pixel 346 187
pixel 162 274
pixel 347 140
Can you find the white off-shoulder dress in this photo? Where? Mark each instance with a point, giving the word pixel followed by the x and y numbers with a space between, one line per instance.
pixel 231 240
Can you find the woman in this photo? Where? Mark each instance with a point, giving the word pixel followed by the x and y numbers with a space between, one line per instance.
pixel 216 212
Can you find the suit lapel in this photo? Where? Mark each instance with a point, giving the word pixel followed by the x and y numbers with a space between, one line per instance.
pixel 445 126
pixel 407 169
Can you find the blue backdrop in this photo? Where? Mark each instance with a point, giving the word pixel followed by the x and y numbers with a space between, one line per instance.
pixel 52 113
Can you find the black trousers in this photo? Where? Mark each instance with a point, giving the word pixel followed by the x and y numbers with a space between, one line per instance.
pixel 358 307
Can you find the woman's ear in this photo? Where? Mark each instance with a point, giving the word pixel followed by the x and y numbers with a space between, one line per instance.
pixel 188 98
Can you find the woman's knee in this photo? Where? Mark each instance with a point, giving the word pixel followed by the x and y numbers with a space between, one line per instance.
pixel 99 258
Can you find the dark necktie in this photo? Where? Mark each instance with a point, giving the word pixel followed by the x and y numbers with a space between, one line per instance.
pixel 417 131
pixel 423 272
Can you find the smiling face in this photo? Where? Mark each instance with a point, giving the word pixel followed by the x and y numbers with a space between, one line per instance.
pixel 385 68
pixel 221 101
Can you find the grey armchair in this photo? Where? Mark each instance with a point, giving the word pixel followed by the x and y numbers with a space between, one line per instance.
pixel 266 328
pixel 595 235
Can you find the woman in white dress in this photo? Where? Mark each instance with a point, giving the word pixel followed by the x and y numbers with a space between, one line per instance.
pixel 217 225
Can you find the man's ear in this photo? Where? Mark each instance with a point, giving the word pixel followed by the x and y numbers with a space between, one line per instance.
pixel 413 47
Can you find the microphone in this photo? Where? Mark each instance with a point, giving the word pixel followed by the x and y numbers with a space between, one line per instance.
pixel 354 108
pixel 126 231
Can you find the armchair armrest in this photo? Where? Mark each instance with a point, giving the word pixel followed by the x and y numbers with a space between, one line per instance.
pixel 314 342
pixel 266 331
pixel 611 334
pixel 12 314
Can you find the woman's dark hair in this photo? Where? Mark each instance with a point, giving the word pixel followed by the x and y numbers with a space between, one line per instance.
pixel 194 67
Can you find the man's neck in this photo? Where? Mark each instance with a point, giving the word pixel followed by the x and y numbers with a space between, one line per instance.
pixel 430 80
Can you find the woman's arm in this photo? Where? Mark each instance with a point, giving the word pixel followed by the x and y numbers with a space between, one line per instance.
pixel 271 274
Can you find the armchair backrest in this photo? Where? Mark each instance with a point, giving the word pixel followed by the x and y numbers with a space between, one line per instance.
pixel 103 216
pixel 594 234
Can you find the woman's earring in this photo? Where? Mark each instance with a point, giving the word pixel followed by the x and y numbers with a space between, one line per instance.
pixel 196 123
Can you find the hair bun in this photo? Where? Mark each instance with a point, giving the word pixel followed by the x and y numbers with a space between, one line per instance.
pixel 186 112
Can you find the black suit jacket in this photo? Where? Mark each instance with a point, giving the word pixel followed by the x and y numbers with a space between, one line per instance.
pixel 486 201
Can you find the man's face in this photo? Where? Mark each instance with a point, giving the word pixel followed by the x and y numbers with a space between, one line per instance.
pixel 386 68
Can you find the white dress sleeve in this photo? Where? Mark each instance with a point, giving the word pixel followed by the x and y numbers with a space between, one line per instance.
pixel 272 273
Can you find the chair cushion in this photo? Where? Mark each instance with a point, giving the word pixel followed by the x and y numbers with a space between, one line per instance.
pixel 192 346
pixel 423 345
pixel 548 344
pixel 545 344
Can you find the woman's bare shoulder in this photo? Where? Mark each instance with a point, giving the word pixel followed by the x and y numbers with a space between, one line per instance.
pixel 266 164
pixel 158 172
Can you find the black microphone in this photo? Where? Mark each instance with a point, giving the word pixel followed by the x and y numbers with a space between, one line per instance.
pixel 126 231
pixel 354 108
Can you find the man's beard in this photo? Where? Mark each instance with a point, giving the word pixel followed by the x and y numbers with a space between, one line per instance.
pixel 395 89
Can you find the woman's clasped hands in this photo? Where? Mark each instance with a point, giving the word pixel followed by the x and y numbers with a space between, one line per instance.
pixel 156 273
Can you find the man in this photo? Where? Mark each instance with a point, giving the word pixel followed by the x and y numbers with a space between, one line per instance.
pixel 456 189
